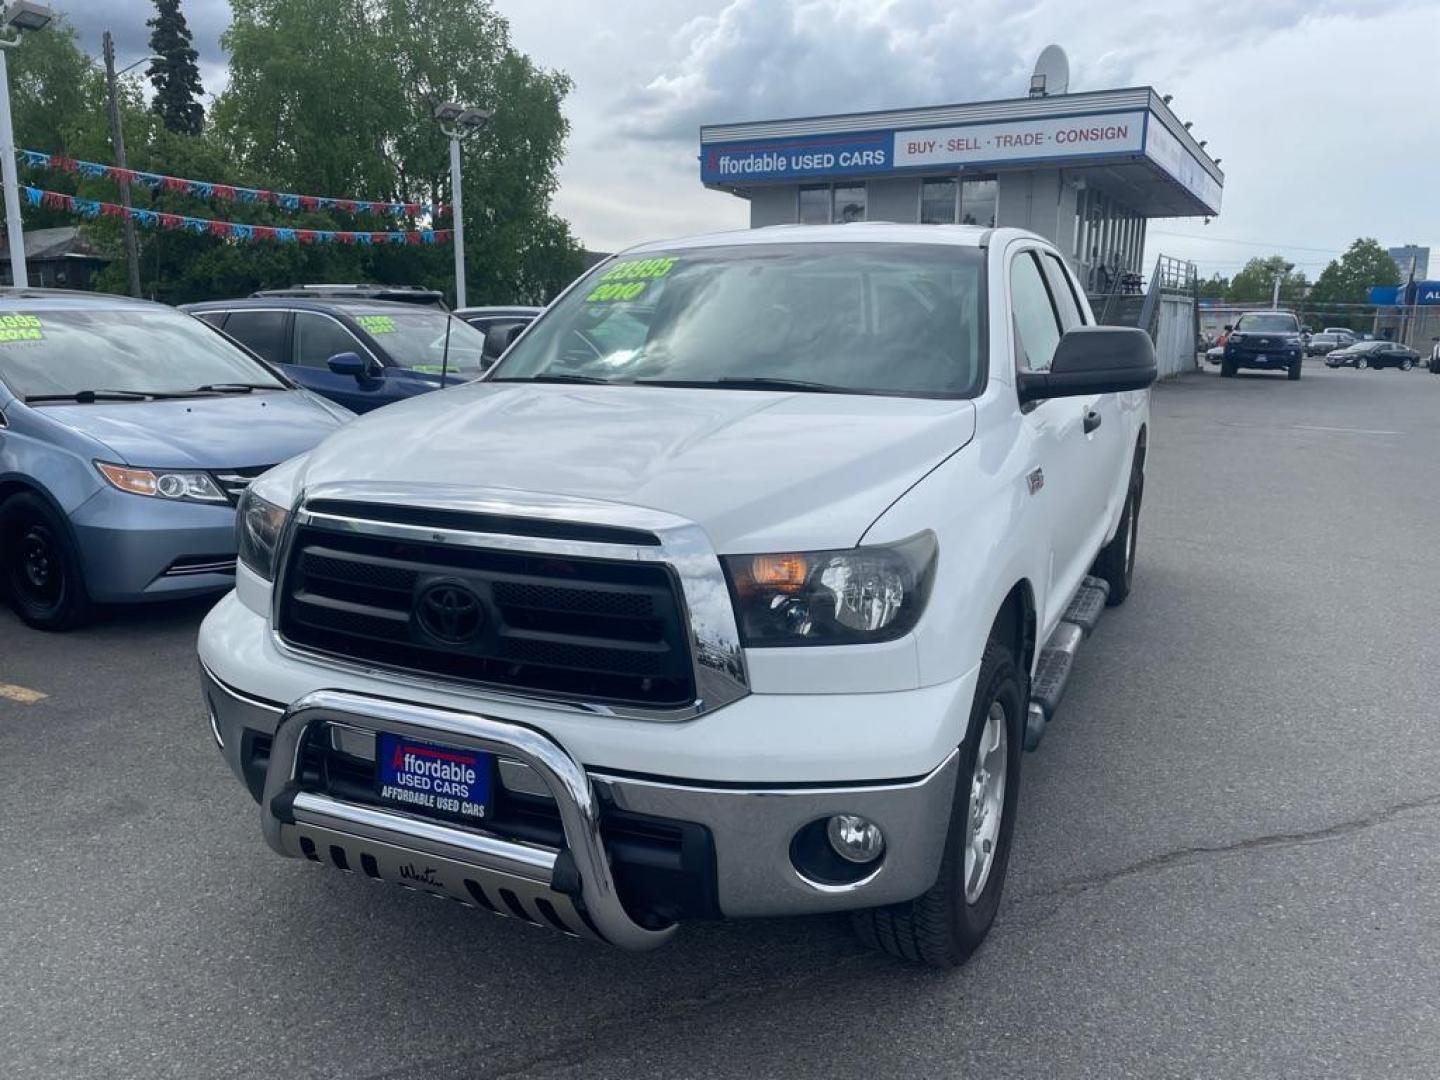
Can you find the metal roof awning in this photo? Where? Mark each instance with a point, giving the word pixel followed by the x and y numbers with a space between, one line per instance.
pixel 1125 141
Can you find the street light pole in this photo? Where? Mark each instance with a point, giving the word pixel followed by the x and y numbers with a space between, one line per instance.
pixel 459 123
pixel 13 233
pixel 457 219
pixel 117 136
pixel 20 15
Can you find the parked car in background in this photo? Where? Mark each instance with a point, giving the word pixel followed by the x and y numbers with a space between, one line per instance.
pixel 1215 355
pixel 1344 333
pixel 400 294
pixel 1265 341
pixel 497 324
pixel 1373 354
pixel 360 353
pixel 1322 343
pixel 128 432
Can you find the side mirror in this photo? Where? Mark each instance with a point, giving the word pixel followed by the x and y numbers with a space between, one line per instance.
pixel 1228 328
pixel 349 363
pixel 500 337
pixel 1093 360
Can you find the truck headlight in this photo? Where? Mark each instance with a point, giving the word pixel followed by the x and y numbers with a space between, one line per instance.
pixel 258 525
pixel 856 596
pixel 187 485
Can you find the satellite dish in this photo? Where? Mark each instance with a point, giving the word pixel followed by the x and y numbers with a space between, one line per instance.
pixel 1052 73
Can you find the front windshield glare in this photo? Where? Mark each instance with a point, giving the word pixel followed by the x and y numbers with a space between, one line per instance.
pixel 146 350
pixel 416 340
pixel 852 317
pixel 1268 324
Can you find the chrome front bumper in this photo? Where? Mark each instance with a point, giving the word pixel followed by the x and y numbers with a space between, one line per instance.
pixel 572 888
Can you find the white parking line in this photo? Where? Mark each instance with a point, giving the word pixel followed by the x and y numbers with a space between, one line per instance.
pixel 22 694
pixel 1345 430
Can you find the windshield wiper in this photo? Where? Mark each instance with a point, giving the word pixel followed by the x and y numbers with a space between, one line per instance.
pixel 559 379
pixel 237 387
pixel 749 382
pixel 86 397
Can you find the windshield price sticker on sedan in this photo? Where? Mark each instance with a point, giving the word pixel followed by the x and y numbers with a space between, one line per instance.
pixel 433 779
pixel 21 328
pixel 627 280
pixel 376 324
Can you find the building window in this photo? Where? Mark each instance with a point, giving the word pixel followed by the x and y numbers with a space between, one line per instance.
pixel 820 204
pixel 978 199
pixel 815 204
pixel 939 201
pixel 849 203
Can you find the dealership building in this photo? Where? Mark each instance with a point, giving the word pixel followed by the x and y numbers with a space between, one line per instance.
pixel 1086 170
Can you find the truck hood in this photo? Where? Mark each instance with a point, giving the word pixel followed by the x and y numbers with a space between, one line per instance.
pixel 758 470
pixel 235 431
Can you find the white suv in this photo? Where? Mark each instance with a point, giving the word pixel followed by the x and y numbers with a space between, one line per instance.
pixel 735 589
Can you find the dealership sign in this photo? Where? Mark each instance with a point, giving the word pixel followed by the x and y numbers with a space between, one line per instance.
pixel 1021 140
pixel 786 159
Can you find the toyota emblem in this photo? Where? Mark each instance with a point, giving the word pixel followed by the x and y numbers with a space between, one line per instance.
pixel 449 611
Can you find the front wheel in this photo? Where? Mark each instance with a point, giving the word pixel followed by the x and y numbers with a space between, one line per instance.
pixel 41 566
pixel 944 925
pixel 1361 364
pixel 1294 373
pixel 1406 365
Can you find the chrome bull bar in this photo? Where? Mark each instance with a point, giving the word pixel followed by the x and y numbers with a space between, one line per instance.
pixel 570 888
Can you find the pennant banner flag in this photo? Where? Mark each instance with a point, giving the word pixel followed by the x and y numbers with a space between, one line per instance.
pixel 230 230
pixel 204 189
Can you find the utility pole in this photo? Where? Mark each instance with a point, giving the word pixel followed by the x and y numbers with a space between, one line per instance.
pixel 117 136
pixel 1275 297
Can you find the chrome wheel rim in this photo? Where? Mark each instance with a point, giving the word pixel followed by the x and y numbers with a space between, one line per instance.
pixel 987 802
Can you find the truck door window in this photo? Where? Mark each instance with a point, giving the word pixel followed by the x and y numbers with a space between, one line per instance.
pixel 1064 290
pixel 1037 330
pixel 262 332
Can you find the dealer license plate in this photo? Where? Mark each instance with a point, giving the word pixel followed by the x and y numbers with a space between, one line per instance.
pixel 1261 357
pixel 430 779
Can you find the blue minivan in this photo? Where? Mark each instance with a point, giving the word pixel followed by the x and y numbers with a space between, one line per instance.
pixel 128 431
pixel 360 352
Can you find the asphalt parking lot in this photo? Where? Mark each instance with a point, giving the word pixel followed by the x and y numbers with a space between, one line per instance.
pixel 1227 862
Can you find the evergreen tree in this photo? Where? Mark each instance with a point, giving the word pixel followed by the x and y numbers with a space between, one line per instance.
pixel 175 76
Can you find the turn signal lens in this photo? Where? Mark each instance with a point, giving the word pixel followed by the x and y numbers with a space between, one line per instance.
pixel 135 481
pixel 782 573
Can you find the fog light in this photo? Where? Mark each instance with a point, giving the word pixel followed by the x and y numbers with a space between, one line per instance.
pixel 854 838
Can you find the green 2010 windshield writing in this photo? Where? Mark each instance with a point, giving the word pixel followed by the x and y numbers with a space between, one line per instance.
pixel 628 280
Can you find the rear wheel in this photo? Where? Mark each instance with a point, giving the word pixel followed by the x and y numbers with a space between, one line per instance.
pixel 943 926
pixel 1361 363
pixel 41 566
pixel 1116 563
pixel 1406 364
pixel 1294 371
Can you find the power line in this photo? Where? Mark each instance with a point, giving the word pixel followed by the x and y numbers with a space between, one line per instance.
pixel 1250 243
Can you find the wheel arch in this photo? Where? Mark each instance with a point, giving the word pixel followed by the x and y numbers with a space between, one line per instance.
pixel 1014 624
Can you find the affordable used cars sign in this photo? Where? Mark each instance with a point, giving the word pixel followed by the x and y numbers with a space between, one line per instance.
pixel 781 159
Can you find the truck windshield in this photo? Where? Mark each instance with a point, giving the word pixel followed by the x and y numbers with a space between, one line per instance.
pixel 416 339
pixel 131 350
pixel 859 318
pixel 1268 322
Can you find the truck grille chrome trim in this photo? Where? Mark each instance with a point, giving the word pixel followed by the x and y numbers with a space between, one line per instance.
pixel 570 889
pixel 714 669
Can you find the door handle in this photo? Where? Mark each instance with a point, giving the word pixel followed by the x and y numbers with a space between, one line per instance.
pixel 1092 420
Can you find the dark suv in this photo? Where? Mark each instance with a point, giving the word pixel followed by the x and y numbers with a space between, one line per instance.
pixel 1265 341
pixel 361 353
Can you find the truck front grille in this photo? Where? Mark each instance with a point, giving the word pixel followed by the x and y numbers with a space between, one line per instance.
pixel 602 631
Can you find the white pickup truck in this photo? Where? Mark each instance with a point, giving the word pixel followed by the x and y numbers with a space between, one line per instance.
pixel 735 589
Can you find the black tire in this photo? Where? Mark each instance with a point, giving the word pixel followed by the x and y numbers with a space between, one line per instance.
pixel 1406 365
pixel 941 927
pixel 1361 363
pixel 1294 374
pixel 42 576
pixel 1116 563
pixel 1227 369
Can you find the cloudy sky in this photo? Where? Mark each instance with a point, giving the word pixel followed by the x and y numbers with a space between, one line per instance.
pixel 1322 111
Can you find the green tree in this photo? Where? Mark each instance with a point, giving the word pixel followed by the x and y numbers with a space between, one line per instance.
pixel 1346 281
pixel 1215 287
pixel 1255 283
pixel 336 97
pixel 175 76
